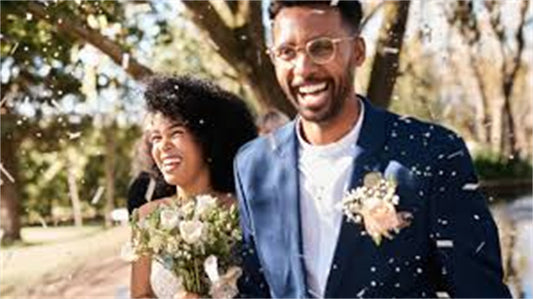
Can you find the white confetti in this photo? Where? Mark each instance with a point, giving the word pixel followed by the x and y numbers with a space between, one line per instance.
pixel 442 295
pixel 125 60
pixel 457 153
pixel 480 246
pixel 334 2
pixel 444 243
pixel 361 293
pixel 55 104
pixel 97 195
pixel 6 173
pixel 272 142
pixel 390 50
pixel 150 190
pixel 11 53
pixel 470 186
pixel 74 135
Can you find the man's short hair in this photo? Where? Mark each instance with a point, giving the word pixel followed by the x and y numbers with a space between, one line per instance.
pixel 351 11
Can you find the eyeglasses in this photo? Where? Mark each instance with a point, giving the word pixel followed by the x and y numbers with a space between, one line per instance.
pixel 321 50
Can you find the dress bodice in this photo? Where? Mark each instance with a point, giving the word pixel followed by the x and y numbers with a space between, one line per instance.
pixel 164 282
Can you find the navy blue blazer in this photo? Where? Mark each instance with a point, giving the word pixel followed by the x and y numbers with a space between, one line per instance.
pixel 451 247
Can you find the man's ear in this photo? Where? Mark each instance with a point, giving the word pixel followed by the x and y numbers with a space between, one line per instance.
pixel 359 50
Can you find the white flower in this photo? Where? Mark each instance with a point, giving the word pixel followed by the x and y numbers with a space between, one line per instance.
pixel 127 252
pixel 191 231
pixel 204 204
pixel 156 243
pixel 211 268
pixel 169 219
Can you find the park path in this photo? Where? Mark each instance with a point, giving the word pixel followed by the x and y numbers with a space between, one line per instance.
pixel 86 268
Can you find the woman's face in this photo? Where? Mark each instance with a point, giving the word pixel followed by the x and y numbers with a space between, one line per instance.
pixel 178 155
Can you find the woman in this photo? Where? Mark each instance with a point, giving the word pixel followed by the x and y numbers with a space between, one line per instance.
pixel 195 129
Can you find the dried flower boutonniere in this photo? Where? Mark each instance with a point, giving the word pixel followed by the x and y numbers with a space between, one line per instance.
pixel 373 204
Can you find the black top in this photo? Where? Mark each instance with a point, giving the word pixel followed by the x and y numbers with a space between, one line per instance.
pixel 138 188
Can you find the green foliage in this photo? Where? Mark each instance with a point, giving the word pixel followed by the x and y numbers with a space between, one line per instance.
pixel 43 170
pixel 491 166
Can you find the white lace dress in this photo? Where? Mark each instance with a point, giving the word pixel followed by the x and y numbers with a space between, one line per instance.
pixel 164 283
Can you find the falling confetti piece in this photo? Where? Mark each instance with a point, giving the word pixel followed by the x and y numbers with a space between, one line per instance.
pixel 480 246
pixel 6 173
pixel 457 153
pixel 444 243
pixel 15 46
pixel 334 2
pixel 470 186
pixel 97 195
pixel 55 104
pixel 125 60
pixel 150 190
pixel 361 293
pixel 390 50
pixel 442 295
pixel 73 135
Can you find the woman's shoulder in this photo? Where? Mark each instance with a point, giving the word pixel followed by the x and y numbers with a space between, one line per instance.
pixel 150 206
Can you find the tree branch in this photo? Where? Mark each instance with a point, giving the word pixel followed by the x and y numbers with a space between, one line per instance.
pixel 205 17
pixel 74 29
pixel 370 15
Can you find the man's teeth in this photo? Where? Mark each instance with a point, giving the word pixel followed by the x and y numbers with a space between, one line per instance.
pixel 312 88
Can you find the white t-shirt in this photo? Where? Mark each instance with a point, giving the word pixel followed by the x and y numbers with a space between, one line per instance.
pixel 324 173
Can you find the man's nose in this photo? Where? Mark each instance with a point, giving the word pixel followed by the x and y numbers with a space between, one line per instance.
pixel 303 65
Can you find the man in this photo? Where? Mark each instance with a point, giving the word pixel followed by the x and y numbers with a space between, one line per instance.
pixel 291 183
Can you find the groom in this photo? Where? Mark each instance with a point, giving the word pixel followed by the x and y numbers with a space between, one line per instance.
pixel 291 183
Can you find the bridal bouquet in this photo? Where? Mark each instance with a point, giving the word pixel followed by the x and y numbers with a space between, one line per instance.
pixel 194 239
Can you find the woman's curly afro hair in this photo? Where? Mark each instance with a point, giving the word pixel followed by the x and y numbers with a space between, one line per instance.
pixel 219 121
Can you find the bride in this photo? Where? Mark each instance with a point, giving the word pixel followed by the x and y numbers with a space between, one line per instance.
pixel 194 130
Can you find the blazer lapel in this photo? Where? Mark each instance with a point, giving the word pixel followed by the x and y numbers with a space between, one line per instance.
pixel 353 247
pixel 284 143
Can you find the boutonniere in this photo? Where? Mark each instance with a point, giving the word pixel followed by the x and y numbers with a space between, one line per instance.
pixel 373 205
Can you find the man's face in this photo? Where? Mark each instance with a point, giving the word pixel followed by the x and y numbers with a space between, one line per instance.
pixel 318 91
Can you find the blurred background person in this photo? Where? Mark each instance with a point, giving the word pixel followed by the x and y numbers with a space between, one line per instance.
pixel 271 120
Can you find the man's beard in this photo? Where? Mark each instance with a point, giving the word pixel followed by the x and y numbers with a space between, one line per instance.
pixel 336 103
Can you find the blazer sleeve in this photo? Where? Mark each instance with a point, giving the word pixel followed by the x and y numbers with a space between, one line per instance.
pixel 464 235
pixel 252 283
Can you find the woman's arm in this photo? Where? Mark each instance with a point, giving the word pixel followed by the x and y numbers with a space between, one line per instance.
pixel 140 278
pixel 140 286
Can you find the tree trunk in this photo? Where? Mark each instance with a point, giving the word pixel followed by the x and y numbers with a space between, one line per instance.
pixel 109 175
pixel 241 43
pixel 386 61
pixel 9 189
pixel 73 188
pixel 482 124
